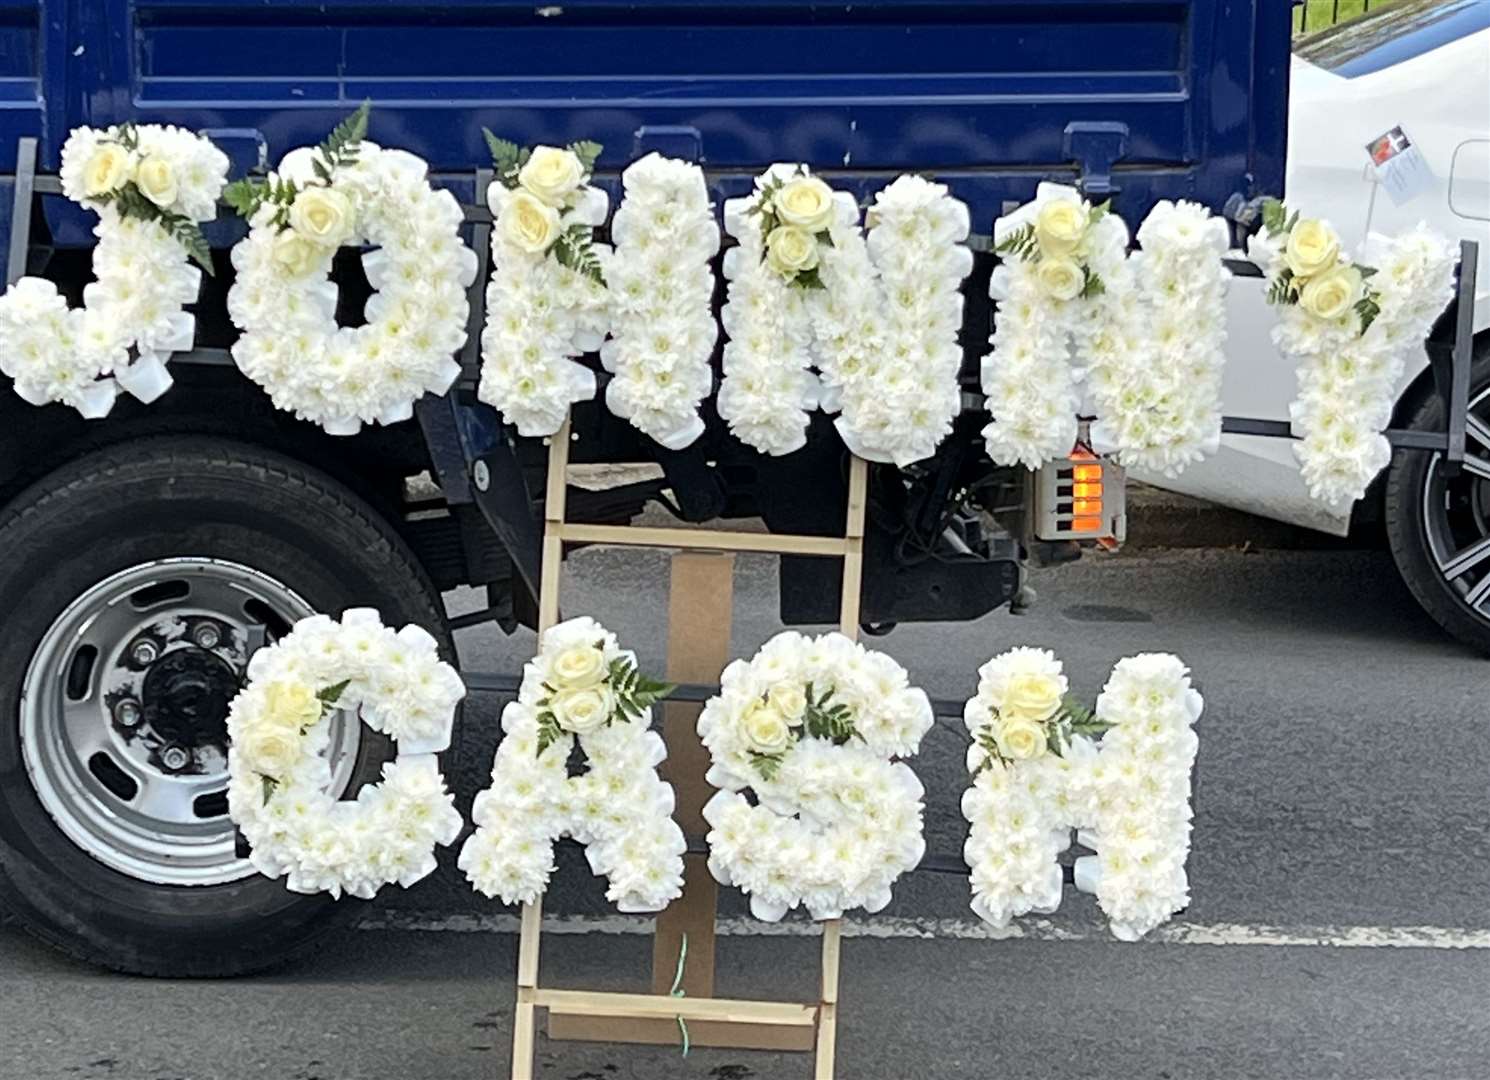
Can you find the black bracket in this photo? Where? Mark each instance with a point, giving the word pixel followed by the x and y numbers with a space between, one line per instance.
pixel 1096 146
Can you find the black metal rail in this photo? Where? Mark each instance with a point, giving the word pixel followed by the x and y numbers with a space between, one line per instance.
pixel 1450 348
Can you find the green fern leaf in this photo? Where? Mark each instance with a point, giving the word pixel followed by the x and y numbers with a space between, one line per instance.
pixel 588 153
pixel 345 137
pixel 506 157
pixel 549 731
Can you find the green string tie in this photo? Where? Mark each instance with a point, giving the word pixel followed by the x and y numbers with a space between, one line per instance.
pixel 677 991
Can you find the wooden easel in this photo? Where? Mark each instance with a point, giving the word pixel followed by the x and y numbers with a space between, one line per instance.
pixel 699 638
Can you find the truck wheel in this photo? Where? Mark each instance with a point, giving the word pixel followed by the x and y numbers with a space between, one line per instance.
pixel 1439 526
pixel 131 581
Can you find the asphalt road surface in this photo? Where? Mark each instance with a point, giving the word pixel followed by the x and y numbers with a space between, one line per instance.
pixel 1341 878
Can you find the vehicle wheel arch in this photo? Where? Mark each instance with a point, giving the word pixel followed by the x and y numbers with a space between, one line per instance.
pixel 208 402
pixel 1371 510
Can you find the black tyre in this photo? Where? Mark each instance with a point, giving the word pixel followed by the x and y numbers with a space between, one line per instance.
pixel 131 582
pixel 1439 526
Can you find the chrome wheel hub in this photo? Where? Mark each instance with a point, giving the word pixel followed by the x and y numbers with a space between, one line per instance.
pixel 124 714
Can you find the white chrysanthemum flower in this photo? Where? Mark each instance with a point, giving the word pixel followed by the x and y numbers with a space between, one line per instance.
pixel 133 318
pixel 662 290
pixel 540 317
pixel 344 377
pixel 279 777
pixel 620 809
pixel 1130 797
pixel 1030 375
pixel 836 820
pixel 1156 343
pixel 886 322
pixel 1348 374
pixel 768 388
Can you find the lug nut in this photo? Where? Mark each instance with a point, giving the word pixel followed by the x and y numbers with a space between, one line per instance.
pixel 207 636
pixel 127 713
pixel 143 652
pixel 174 758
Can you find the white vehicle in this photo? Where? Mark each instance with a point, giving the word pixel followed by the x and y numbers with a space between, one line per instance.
pixel 1416 74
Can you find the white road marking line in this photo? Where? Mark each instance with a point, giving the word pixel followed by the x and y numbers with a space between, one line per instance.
pixel 1347 937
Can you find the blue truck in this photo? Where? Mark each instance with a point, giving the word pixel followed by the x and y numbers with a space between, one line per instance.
pixel 192 527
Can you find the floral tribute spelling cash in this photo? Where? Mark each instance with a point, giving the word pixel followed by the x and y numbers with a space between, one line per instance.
pixel 1350 325
pixel 152 186
pixel 582 688
pixel 280 772
pixel 812 726
pixel 1039 773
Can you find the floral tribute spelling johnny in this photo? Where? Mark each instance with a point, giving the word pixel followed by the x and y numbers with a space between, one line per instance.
pixel 1058 252
pixel 1146 333
pixel 547 300
pixel 1038 773
pixel 280 776
pixel 1157 350
pixel 151 187
pixel 581 687
pixel 812 726
pixel 1350 326
pixel 661 300
pixel 348 192
pixel 877 315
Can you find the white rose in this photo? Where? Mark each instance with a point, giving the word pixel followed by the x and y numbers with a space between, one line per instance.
pixel 156 180
pixel 1312 248
pixel 270 749
pixel 582 710
pixel 295 256
pixel 1060 225
pixel 790 250
pixel 529 223
pixel 789 700
pixel 322 215
pixel 766 730
pixel 1061 278
pixel 1333 293
pixel 292 705
pixel 1020 738
pixel 109 169
pixel 578 667
pixel 552 174
pixel 1032 694
pixel 805 202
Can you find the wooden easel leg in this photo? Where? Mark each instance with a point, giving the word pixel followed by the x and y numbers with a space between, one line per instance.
pixel 524 1020
pixel 853 555
pixel 827 1017
pixel 848 618
pixel 700 606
